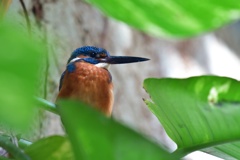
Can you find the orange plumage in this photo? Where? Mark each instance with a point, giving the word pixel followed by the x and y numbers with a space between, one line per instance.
pixel 89 84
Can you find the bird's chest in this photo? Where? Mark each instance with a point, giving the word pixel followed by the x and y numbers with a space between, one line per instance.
pixel 87 82
pixel 91 80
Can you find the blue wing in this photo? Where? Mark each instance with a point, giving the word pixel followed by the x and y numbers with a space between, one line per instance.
pixel 61 80
pixel 70 68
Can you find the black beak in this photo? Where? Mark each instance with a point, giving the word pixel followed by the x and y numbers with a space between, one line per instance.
pixel 122 59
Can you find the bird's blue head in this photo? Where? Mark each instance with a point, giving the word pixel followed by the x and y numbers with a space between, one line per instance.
pixel 100 56
pixel 90 53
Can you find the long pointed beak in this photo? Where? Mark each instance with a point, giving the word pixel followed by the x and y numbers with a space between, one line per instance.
pixel 123 59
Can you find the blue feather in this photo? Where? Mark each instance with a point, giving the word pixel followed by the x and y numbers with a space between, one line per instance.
pixel 71 67
pixel 91 60
pixel 86 51
pixel 61 80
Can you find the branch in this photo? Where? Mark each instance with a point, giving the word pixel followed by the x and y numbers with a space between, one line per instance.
pixel 26 16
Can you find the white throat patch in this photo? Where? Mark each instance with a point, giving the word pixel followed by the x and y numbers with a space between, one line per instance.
pixel 102 65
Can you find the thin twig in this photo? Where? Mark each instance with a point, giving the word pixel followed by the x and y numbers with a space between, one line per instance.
pixel 47 66
pixel 26 16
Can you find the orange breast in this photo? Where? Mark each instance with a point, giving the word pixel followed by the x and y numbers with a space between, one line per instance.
pixel 89 84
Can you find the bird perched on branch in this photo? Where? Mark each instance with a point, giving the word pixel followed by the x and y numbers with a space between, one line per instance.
pixel 87 78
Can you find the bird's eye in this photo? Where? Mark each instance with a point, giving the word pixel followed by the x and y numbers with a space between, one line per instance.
pixel 93 54
pixel 102 55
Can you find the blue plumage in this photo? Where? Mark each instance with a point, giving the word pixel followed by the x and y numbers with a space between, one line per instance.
pixel 91 60
pixel 88 51
pixel 71 67
pixel 61 80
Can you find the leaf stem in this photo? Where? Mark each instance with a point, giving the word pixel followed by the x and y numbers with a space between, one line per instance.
pixel 44 104
pixel 23 143
pixel 12 149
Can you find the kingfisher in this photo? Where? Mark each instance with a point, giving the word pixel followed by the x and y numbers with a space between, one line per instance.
pixel 87 79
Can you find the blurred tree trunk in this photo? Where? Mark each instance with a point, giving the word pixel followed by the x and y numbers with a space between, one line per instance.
pixel 69 24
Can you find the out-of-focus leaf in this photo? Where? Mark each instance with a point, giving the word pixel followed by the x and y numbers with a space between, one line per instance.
pixel 50 148
pixel 93 136
pixel 197 112
pixel 19 65
pixel 170 17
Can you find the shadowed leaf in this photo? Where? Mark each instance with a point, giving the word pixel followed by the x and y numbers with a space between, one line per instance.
pixel 93 136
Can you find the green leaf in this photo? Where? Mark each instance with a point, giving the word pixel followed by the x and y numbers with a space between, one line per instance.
pixel 171 18
pixel 19 65
pixel 93 136
pixel 196 112
pixel 50 148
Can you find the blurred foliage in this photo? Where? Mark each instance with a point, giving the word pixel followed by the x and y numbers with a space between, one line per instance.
pixel 172 18
pixel 50 148
pixel 19 65
pixel 197 112
pixel 94 136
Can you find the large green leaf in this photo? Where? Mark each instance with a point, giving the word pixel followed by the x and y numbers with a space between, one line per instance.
pixel 50 148
pixel 19 65
pixel 171 17
pixel 197 112
pixel 93 136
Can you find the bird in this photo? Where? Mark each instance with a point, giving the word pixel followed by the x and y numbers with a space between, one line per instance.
pixel 87 78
